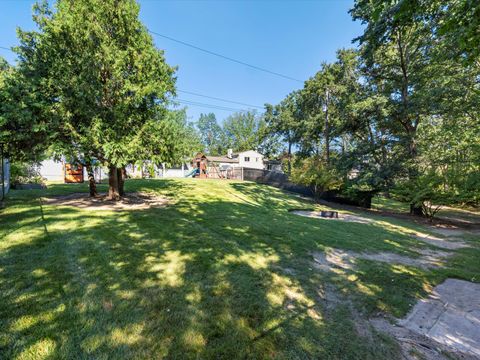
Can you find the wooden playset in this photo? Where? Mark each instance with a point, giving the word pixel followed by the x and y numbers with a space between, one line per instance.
pixel 203 169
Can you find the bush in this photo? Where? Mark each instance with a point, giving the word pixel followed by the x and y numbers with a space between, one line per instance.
pixel 428 192
pixel 314 172
pixel 25 173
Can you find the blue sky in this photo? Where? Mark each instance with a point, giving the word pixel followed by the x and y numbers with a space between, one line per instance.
pixel 288 37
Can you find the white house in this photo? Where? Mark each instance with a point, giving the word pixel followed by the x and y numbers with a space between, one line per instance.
pixel 244 159
pixel 251 159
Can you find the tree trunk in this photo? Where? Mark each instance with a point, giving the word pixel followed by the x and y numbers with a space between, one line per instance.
pixel 91 181
pixel 113 184
pixel 327 130
pixel 289 157
pixel 121 175
pixel 416 210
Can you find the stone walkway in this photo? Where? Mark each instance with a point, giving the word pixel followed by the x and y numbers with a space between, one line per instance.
pixel 450 316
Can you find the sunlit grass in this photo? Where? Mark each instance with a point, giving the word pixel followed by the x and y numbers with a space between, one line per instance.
pixel 225 271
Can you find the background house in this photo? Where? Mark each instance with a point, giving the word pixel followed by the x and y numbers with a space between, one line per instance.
pixel 251 159
pixel 52 170
pixel 231 165
pixel 248 159
pixel 59 170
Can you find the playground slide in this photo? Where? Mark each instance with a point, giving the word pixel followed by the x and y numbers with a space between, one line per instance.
pixel 191 173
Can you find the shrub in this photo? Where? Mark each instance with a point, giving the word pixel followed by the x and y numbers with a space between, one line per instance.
pixel 25 173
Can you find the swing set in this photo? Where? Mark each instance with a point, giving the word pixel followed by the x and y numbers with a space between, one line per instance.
pixel 203 169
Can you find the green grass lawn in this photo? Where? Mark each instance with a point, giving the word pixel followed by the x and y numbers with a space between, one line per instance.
pixel 224 272
pixel 380 202
pixel 465 214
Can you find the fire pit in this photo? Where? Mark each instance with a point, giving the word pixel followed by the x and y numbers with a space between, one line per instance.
pixel 323 213
pixel 329 214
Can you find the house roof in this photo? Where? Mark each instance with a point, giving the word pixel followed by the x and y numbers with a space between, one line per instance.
pixel 225 159
pixel 222 159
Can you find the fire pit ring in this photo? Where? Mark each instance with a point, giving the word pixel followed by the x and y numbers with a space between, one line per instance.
pixel 329 214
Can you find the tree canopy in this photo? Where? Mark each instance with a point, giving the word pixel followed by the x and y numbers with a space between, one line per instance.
pixel 398 115
pixel 101 86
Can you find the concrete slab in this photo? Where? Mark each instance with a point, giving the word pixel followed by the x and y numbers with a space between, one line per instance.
pixel 450 316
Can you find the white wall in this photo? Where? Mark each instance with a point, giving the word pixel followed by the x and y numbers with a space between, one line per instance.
pixel 6 176
pixel 178 171
pixel 256 160
pixel 175 173
pixel 52 170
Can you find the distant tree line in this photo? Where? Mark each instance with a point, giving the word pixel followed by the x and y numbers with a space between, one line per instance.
pixel 240 131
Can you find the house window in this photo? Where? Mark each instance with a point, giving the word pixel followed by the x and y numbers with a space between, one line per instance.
pixel 247 159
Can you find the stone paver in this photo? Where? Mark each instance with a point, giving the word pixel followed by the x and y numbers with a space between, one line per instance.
pixel 450 316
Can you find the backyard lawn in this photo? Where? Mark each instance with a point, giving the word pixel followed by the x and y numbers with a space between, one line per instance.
pixel 224 271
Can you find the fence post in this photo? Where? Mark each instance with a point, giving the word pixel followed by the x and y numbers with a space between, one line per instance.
pixel 242 173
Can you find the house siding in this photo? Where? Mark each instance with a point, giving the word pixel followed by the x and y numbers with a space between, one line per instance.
pixel 255 160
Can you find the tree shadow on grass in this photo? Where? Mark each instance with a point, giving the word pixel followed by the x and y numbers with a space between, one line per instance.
pixel 216 279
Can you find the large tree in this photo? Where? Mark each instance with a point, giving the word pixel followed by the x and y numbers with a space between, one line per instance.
pixel 244 131
pixel 426 66
pixel 26 126
pixel 285 120
pixel 211 134
pixel 104 78
pixel 397 55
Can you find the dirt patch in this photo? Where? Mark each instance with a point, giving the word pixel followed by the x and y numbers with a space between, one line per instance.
pixel 131 201
pixel 449 243
pixel 337 259
pixel 448 232
pixel 450 316
pixel 334 259
pixel 344 217
pixel 454 233
pixel 329 296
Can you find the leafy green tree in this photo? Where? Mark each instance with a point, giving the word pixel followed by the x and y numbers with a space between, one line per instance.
pixel 211 134
pixel 25 125
pixel 320 112
pixel 325 104
pixel 185 139
pixel 410 50
pixel 400 114
pixel 244 131
pixel 397 56
pixel 284 120
pixel 317 174
pixel 106 80
pixel 456 22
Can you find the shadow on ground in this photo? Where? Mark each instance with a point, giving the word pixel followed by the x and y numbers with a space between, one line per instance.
pixel 221 274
